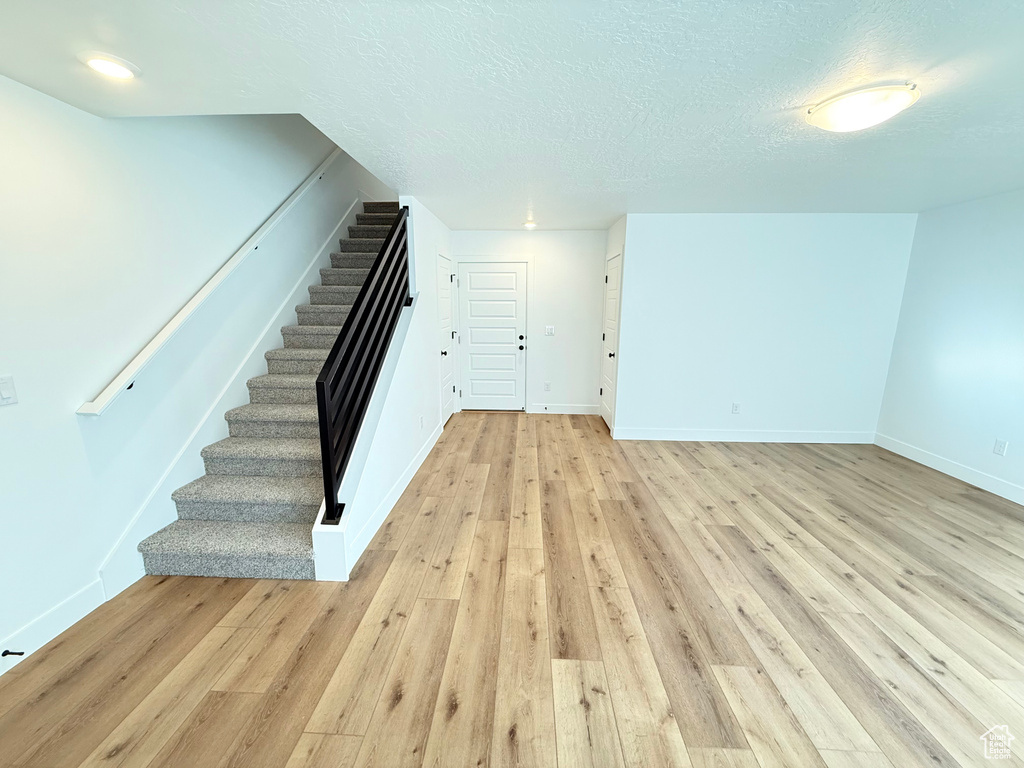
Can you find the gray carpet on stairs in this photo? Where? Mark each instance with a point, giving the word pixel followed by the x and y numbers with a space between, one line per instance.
pixel 251 514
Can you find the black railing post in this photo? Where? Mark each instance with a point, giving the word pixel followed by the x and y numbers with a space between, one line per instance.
pixel 346 382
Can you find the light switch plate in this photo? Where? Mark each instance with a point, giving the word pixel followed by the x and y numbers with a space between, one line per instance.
pixel 549 330
pixel 1000 448
pixel 8 395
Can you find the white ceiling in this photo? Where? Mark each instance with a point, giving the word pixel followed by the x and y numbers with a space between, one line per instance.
pixel 583 110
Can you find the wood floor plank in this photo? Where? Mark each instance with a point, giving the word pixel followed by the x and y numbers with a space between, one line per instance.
pixel 210 734
pixel 463 722
pixel 774 735
pixel 323 750
pixel 272 731
pixel 142 734
pixel 648 732
pixel 447 565
pixel 899 735
pixel 271 645
pixel 73 645
pixel 723 758
pixel 600 560
pixel 572 632
pixel 258 604
pixel 525 528
pixel 836 759
pixel 524 720
pixel 398 730
pixel 497 499
pixel 47 732
pixel 698 702
pixel 820 711
pixel 952 725
pixel 351 696
pixel 586 734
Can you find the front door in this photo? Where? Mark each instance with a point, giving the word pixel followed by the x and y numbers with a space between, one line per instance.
pixel 492 334
pixel 609 350
pixel 445 279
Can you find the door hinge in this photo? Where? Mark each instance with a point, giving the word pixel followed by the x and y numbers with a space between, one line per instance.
pixel 600 391
pixel 602 337
pixel 460 393
pixel 606 278
pixel 453 389
pixel 453 334
pixel 452 278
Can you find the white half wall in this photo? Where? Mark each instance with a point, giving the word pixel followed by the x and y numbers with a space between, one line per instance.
pixel 790 315
pixel 956 381
pixel 404 416
pixel 107 228
pixel 565 274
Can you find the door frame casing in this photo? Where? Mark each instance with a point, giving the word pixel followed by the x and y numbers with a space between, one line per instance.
pixel 618 335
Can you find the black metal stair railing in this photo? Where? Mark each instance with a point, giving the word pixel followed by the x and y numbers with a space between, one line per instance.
pixel 347 380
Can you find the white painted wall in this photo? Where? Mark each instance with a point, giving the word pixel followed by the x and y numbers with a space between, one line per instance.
pixel 107 227
pixel 791 315
pixel 565 274
pixel 956 381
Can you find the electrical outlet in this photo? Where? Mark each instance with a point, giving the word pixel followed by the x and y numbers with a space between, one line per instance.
pixel 1000 448
pixel 8 395
pixel 547 386
pixel 735 408
pixel 549 330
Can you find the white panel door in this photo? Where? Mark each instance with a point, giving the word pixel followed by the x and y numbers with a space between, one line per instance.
pixel 610 335
pixel 445 280
pixel 492 335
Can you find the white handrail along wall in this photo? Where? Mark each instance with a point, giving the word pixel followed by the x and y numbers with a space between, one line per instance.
pixel 123 381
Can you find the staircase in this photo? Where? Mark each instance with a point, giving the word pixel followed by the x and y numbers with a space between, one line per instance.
pixel 251 515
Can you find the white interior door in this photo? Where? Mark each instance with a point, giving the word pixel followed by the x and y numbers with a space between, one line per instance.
pixel 445 279
pixel 492 335
pixel 610 336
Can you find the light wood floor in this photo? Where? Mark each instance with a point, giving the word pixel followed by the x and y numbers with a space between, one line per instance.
pixel 542 595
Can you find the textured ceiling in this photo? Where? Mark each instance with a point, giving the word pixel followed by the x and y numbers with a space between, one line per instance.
pixel 582 110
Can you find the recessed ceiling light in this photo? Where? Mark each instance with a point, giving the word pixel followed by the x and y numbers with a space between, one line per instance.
pixel 111 66
pixel 863 107
pixel 530 224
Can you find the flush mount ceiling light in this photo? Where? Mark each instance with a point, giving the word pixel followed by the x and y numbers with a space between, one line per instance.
pixel 111 66
pixel 863 107
pixel 529 224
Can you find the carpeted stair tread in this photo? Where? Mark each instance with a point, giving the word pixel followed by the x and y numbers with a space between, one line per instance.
pixel 376 218
pixel 296 360
pixel 384 207
pixel 255 490
pixel 353 260
pixel 310 336
pixel 368 231
pixel 322 314
pixel 282 388
pixel 333 294
pixel 260 412
pixel 262 448
pixel 236 549
pixel 361 245
pixel 346 276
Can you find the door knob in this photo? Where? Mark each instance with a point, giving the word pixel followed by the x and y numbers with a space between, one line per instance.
pixel 611 354
pixel 521 337
pixel 444 352
pixel 521 346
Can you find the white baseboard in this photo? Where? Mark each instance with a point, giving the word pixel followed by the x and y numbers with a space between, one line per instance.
pixel 44 628
pixel 741 436
pixel 567 408
pixel 983 480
